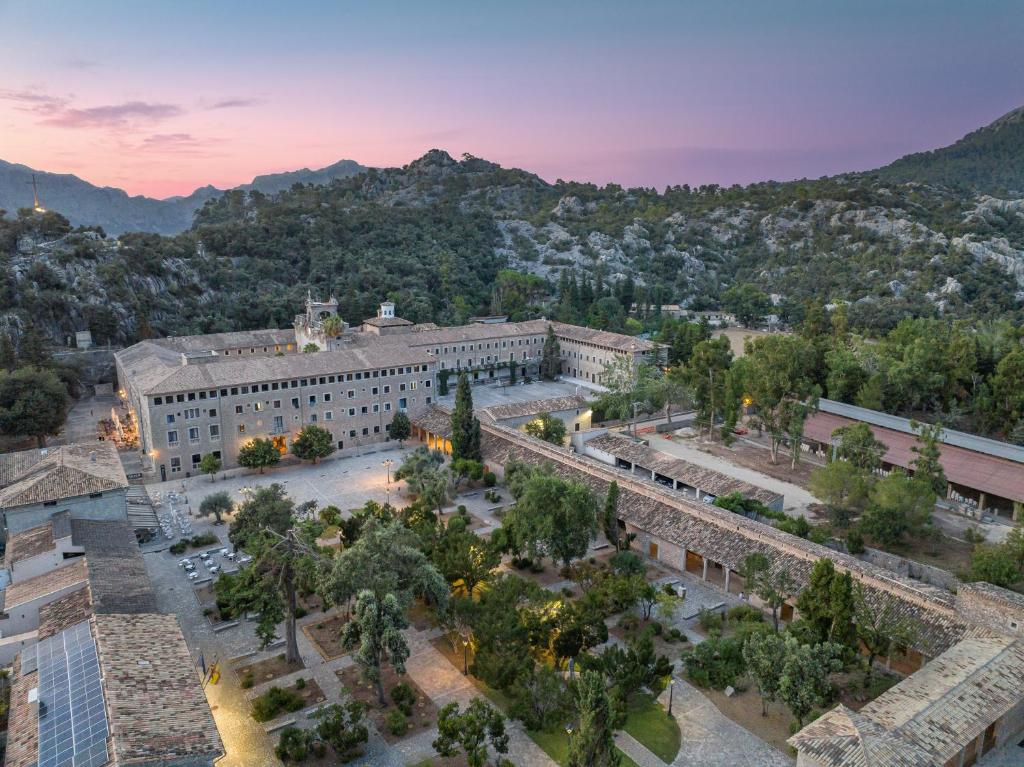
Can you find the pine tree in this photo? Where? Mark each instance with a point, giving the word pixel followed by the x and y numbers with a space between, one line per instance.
pixel 592 743
pixel 551 357
pixel 8 357
pixel 465 426
pixel 927 466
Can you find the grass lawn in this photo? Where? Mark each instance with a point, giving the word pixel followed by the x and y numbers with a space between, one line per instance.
pixel 650 724
pixel 556 745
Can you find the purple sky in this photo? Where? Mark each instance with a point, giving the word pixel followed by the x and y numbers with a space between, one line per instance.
pixel 159 98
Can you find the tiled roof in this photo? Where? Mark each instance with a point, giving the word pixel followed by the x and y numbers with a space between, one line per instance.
pixel 534 407
pixel 65 472
pixel 118 580
pixel 989 473
pixel 603 338
pixel 708 480
pixel 928 717
pixel 164 377
pixel 1011 599
pixel 435 420
pixel 386 322
pixel 157 709
pixel 728 538
pixel 428 335
pixel 23 725
pixel 65 612
pixel 221 341
pixel 48 583
pixel 29 543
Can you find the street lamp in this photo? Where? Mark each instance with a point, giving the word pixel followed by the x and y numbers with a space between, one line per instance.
pixel 671 693
pixel 388 463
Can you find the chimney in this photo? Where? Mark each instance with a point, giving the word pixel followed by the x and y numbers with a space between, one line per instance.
pixel 92 456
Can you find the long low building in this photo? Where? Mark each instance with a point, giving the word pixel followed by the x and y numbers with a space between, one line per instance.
pixel 696 482
pixel 213 394
pixel 984 475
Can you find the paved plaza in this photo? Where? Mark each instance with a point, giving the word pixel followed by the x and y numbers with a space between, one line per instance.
pixel 486 395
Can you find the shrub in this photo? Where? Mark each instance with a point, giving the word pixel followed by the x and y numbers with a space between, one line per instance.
pixel 293 745
pixel 275 701
pixel 396 722
pixel 301 612
pixel 463 511
pixel 247 680
pixel 744 614
pixel 855 541
pixel 627 563
pixel 656 628
pixel 300 684
pixel 710 621
pixel 179 547
pixel 404 697
pixel 205 539
pixel 490 479
pixel 715 663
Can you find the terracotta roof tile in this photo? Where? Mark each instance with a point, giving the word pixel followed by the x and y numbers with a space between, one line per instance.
pixel 65 472
pixel 48 583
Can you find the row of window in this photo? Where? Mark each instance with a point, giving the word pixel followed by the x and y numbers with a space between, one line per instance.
pixel 295 383
pixel 504 345
pixel 482 361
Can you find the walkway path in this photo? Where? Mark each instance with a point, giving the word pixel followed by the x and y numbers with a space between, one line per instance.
pixel 711 739
pixel 797 499
pixel 637 751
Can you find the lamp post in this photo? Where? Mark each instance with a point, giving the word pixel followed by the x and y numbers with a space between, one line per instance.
pixel 671 693
pixel 388 463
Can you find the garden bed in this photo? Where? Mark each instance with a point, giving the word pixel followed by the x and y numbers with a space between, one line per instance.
pixel 207 599
pixel 424 712
pixel 268 669
pixel 305 693
pixel 325 636
pixel 744 708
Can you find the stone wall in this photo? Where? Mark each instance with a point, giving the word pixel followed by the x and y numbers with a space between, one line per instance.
pixel 935 576
pixel 94 365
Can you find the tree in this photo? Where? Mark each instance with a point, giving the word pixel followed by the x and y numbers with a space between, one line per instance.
pixel 293 745
pixel 707 376
pixel 803 677
pixel 592 743
pixel 258 454
pixel 269 585
pixel 901 506
pixel 401 427
pixel 266 508
pixel 994 564
pixel 463 557
pixel 551 357
pixel 442 382
pixel 386 559
pixel 576 629
pixel 313 443
pixel 209 464
pixel 216 505
pixel 844 488
pixel 465 426
pixel 466 469
pixel 472 731
pixel 342 727
pixel 765 654
pixel 8 356
pixel 671 388
pixel 777 376
pixel 928 466
pixel 551 515
pixel 858 445
pixel 611 515
pixel 540 698
pixel 332 326
pixel 879 628
pixel 747 302
pixel 376 630
pixel 547 427
pixel 822 605
pixel 33 403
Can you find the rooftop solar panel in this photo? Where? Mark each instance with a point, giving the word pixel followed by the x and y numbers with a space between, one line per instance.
pixel 72 714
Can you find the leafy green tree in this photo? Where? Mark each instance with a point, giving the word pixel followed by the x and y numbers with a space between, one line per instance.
pixel 313 443
pixel 707 377
pixel 343 728
pixel 332 326
pixel 258 454
pixel 512 372
pixel 880 630
pixel 465 426
pixel 216 505
pixel 859 446
pixel 576 629
pixel 419 467
pixel 546 427
pixel 927 465
pixel 540 699
pixel 33 403
pixel 386 559
pixel 747 302
pixel 631 668
pixel 376 630
pixel 552 515
pixel 401 427
pixel 820 605
pixel 994 564
pixel 844 488
pixel 472 731
pixel 765 654
pixel 901 507
pixel 777 377
pixel 466 469
pixel 551 357
pixel 670 389
pixel 294 745
pixel 1008 391
pixel 8 356
pixel 310 348
pixel 804 676
pixel 592 742
pixel 463 557
pixel 209 464
pixel 442 382
pixel 611 515
pixel 265 508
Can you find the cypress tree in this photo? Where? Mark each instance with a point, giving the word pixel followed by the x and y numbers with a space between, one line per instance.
pixel 611 515
pixel 592 743
pixel 551 357
pixel 465 427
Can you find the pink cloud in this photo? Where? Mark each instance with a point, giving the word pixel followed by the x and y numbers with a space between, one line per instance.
pixel 113 115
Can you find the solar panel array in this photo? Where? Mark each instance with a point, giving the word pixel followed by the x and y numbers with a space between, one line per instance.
pixel 72 714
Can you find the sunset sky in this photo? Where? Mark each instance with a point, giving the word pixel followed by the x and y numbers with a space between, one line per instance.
pixel 159 98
